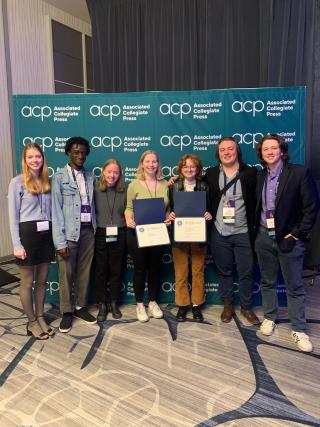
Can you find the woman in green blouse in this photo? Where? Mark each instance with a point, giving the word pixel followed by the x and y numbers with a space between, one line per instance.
pixel 147 261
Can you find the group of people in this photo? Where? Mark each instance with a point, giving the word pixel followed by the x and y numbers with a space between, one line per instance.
pixel 89 223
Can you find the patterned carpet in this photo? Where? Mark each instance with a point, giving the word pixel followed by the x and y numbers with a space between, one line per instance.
pixel 124 373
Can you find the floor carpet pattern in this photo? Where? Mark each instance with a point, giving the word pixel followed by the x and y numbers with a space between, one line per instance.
pixel 158 374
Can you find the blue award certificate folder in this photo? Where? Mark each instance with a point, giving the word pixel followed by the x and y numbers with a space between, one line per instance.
pixel 149 211
pixel 149 216
pixel 189 204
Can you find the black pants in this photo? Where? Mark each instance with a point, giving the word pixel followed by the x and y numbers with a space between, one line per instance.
pixel 109 262
pixel 147 264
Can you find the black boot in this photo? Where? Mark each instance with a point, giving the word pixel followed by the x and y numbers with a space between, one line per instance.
pixel 197 315
pixel 116 313
pixel 102 315
pixel 182 314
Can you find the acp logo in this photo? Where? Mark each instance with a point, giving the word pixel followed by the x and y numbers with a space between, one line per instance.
pixel 52 171
pixel 256 288
pixel 248 138
pixel 53 287
pixel 255 165
pixel 97 171
pixel 109 111
pixel 43 141
pixel 168 287
pixel 106 142
pixel 168 171
pixel 252 107
pixel 39 111
pixel 175 109
pixel 167 258
pixel 180 141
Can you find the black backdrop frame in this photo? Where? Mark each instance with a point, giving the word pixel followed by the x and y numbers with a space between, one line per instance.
pixel 145 45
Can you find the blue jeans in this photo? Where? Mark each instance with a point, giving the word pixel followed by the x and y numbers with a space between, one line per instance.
pixel 225 250
pixel 291 263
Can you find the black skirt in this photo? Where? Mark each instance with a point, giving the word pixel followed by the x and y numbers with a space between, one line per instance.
pixel 37 244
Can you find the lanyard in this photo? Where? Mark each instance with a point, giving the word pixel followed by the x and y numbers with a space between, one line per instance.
pixel 85 182
pixel 109 208
pixel 225 183
pixel 155 190
pixel 39 197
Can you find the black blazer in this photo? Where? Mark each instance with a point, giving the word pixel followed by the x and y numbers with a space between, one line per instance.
pixel 296 204
pixel 248 187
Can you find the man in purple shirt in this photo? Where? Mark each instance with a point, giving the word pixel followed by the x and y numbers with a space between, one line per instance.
pixel 287 205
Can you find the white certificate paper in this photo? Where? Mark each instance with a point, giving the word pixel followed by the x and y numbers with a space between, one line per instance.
pixel 152 235
pixel 190 229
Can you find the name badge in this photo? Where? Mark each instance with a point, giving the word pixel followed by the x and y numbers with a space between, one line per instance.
pixel 270 223
pixel 42 225
pixel 111 230
pixel 111 233
pixel 85 215
pixel 229 212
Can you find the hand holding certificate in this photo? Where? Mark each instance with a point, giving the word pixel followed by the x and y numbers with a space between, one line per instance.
pixel 149 215
pixel 190 224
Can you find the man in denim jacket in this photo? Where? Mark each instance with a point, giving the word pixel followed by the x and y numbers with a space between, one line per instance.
pixel 73 224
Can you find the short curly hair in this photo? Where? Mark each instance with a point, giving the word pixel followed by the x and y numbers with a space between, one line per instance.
pixel 76 140
pixel 283 145
pixel 195 159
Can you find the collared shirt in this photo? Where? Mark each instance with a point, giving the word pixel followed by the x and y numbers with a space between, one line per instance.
pixel 269 192
pixel 66 207
pixel 24 206
pixel 233 193
pixel 81 184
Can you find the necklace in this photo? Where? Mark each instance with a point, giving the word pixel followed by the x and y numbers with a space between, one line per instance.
pixel 155 189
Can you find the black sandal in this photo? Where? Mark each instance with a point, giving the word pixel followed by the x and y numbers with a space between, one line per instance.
pixel 41 336
pixel 50 331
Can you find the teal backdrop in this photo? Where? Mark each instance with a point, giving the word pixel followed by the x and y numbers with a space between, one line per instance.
pixel 124 125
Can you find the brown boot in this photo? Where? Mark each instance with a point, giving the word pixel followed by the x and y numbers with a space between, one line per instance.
pixel 250 316
pixel 227 312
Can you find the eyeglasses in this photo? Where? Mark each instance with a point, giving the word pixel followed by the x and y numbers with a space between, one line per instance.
pixel 190 168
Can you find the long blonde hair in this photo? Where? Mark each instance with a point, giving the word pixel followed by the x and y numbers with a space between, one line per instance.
pixel 140 173
pixel 102 181
pixel 33 186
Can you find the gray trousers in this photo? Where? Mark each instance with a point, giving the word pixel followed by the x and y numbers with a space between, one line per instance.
pixel 225 251
pixel 74 271
pixel 270 258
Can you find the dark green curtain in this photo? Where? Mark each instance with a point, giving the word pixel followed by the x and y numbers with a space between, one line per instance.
pixel 143 45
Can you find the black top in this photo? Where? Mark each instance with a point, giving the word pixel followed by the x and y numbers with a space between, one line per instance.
pixel 110 206
pixel 248 175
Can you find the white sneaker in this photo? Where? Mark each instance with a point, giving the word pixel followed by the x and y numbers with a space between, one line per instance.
pixel 141 313
pixel 154 310
pixel 302 340
pixel 267 327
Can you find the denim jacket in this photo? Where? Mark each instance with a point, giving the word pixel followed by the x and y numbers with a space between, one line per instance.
pixel 66 207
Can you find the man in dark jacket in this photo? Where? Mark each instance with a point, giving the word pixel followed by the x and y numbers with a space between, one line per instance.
pixel 232 192
pixel 287 205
